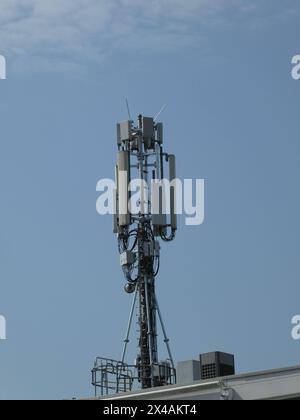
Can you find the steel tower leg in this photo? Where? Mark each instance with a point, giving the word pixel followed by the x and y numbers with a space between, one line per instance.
pixel 126 340
pixel 144 356
pixel 148 357
pixel 166 339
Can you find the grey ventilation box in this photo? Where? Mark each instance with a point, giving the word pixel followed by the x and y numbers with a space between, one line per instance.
pixel 216 364
pixel 188 372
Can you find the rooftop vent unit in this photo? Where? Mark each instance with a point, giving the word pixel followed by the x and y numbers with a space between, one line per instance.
pixel 216 364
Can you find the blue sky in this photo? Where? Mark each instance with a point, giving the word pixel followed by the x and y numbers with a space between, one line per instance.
pixel 224 70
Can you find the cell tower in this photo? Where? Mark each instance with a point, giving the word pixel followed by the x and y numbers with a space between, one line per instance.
pixel 140 152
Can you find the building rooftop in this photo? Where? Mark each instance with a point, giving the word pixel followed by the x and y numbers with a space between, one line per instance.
pixel 277 384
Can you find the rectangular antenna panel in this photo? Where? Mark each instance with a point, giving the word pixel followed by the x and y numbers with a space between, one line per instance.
pixel 160 133
pixel 123 184
pixel 115 215
pixel 173 206
pixel 159 217
pixel 148 132
pixel 124 132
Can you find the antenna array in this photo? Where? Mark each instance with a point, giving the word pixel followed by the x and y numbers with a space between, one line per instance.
pixel 140 152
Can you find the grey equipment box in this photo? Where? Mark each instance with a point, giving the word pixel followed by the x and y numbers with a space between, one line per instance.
pixel 216 364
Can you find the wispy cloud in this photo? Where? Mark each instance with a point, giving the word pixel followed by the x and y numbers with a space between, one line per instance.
pixel 68 32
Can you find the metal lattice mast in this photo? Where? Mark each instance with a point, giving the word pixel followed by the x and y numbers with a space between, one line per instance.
pixel 141 151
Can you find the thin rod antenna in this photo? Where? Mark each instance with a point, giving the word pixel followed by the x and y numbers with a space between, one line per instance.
pixel 128 109
pixel 166 339
pixel 126 340
pixel 161 111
